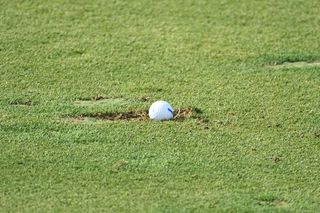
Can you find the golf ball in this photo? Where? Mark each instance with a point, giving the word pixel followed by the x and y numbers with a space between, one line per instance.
pixel 160 110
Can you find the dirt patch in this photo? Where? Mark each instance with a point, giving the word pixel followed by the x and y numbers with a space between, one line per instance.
pixel 133 115
pixel 144 98
pixel 276 159
pixel 98 97
pixel 22 102
pixel 99 100
pixel 179 115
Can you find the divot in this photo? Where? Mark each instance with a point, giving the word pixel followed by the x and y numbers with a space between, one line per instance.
pixel 22 102
pixel 297 64
pixel 99 100
pixel 179 115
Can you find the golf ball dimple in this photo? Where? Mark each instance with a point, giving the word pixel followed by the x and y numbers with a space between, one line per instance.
pixel 161 110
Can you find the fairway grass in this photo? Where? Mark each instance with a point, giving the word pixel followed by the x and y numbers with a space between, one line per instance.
pixel 250 68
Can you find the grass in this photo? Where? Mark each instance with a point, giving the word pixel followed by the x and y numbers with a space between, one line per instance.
pixel 260 152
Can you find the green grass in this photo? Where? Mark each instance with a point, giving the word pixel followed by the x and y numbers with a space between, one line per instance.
pixel 260 153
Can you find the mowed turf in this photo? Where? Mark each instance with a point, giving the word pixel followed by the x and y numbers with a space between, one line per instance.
pixel 251 68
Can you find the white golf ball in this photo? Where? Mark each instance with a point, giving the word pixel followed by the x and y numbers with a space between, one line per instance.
pixel 160 110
